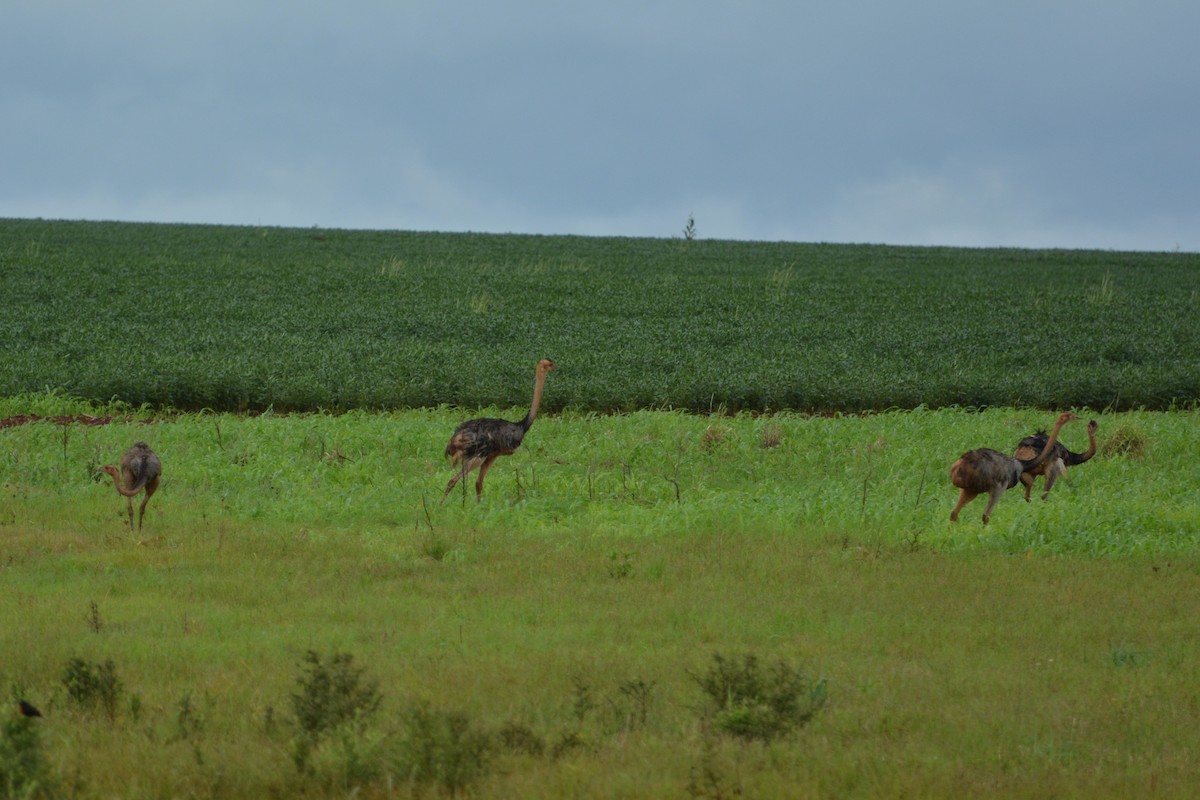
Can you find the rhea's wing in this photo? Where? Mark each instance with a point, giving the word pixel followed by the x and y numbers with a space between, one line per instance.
pixel 141 465
pixel 480 438
pixel 1030 448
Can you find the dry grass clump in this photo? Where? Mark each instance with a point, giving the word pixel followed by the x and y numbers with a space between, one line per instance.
pixel 1126 440
pixel 772 435
pixel 714 435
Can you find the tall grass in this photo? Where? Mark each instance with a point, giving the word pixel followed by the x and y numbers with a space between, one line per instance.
pixel 548 640
pixel 640 474
pixel 643 473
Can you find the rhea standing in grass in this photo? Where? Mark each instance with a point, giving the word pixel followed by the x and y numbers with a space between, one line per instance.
pixel 1056 463
pixel 140 470
pixel 987 470
pixel 479 442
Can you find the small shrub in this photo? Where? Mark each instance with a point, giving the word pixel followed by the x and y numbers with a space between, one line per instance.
pixel 583 702
pixel 22 765
pixel 443 748
pixel 707 779
pixel 751 703
pixel 332 693
pixel 520 738
pixel 347 761
pixel 636 693
pixel 90 685
pixel 568 742
pixel 189 724
pixel 93 618
pixel 620 565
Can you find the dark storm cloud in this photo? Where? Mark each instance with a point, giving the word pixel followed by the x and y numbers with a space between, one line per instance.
pixel 1024 124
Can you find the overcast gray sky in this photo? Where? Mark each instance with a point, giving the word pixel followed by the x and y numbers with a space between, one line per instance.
pixel 1049 123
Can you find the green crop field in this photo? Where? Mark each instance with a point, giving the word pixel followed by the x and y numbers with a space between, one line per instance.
pixel 244 318
pixel 648 602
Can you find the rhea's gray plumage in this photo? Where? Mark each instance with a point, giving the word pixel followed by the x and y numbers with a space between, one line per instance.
pixel 477 443
pixel 987 470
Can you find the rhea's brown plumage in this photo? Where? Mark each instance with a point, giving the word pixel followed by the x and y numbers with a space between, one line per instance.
pixel 479 442
pixel 140 470
pixel 993 472
pixel 1056 463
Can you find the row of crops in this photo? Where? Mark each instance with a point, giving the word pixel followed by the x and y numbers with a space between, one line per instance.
pixel 238 318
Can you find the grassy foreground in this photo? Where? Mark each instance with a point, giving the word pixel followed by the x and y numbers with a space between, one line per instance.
pixel 548 642
pixel 948 674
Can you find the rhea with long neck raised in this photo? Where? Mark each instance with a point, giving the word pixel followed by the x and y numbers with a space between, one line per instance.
pixel 987 470
pixel 477 443
pixel 539 382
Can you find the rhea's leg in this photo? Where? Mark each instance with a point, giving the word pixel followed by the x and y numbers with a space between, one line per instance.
pixel 468 465
pixel 129 480
pixel 1027 479
pixel 151 487
pixel 483 470
pixel 964 497
pixel 450 485
pixel 1052 473
pixel 994 495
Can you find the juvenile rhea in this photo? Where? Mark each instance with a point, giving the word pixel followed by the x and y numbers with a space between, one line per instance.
pixel 479 442
pixel 140 470
pixel 1056 463
pixel 987 470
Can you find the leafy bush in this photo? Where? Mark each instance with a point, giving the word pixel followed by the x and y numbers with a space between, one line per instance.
pixel 636 693
pixel 516 737
pixel 332 693
pixel 445 748
pixel 93 684
pixel 748 702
